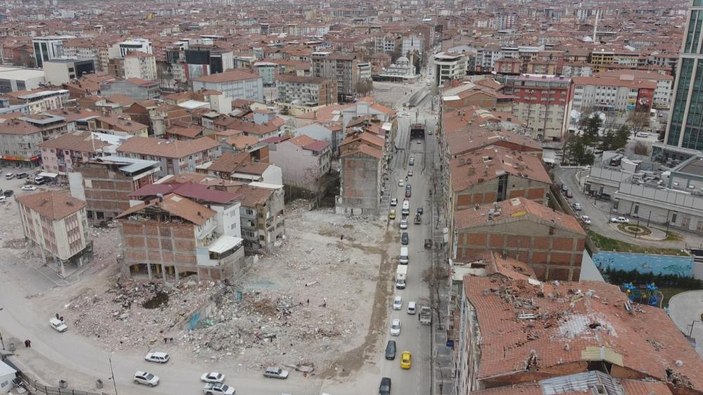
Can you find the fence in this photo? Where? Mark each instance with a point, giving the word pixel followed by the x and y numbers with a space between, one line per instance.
pixel 34 387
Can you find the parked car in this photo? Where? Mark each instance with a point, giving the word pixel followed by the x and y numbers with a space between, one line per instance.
pixel 398 303
pixel 395 327
pixel 586 219
pixel 385 387
pixel 218 389
pixel 58 325
pixel 404 239
pixel 29 188
pixel 406 360
pixel 3 199
pixel 276 373
pixel 401 183
pixel 212 377
pixel 403 223
pixel 8 193
pixel 9 176
pixel 412 307
pixel 157 356
pixel 420 210
pixel 22 175
pixel 394 202
pixel 410 173
pixel 391 214
pixel 146 378
pixel 390 350
pixel 569 194
pixel 577 206
pixel 620 220
pixel 428 244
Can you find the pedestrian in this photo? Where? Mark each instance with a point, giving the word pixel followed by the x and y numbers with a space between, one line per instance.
pixel 341 237
pixel 308 302
pixel 165 340
pixel 61 318
pixel 57 316
pixel 171 339
pixel 28 343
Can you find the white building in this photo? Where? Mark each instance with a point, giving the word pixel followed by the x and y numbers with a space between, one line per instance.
pixel 7 375
pixel 48 48
pixel 62 71
pixel 235 84
pixel 140 65
pixel 56 222
pixel 121 49
pixel 304 161
pixel 449 66
pixel 13 79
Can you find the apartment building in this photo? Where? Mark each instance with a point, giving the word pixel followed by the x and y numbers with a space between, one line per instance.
pixel 174 157
pixel 38 101
pixel 20 138
pixel 664 84
pixel 140 65
pixel 234 84
pixel 517 335
pixel 262 215
pixel 60 154
pixel 137 89
pixel 624 93
pixel 540 102
pixel 56 222
pixel 304 160
pixel 340 67
pixel 173 237
pixel 106 183
pixel 449 66
pixel 551 242
pixel 306 91
pixel 361 179
pixel 120 125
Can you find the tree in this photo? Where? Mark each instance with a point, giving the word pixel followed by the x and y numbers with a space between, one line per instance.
pixel 434 276
pixel 577 153
pixel 621 137
pixel 639 120
pixel 591 127
pixel 364 87
pixel 608 140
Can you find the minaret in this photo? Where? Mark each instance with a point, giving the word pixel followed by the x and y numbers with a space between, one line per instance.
pixel 595 27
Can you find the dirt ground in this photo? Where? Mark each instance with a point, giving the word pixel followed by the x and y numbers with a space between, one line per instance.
pixel 316 300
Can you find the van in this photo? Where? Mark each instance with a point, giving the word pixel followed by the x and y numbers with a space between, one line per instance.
pixel 412 308
pixel 9 176
pixel 404 256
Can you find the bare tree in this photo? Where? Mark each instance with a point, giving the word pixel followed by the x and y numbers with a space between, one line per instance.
pixel 434 276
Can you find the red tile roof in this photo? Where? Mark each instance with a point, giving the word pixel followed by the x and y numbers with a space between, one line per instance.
pixel 51 205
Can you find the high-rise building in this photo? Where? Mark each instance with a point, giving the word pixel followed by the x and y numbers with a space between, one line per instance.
pixel 48 48
pixel 685 126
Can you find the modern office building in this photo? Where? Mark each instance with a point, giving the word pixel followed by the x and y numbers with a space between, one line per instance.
pixel 48 48
pixel 685 126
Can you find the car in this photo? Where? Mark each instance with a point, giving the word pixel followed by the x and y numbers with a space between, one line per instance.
pixel 391 214
pixel 428 244
pixel 404 238
pixel 411 162
pixel 620 220
pixel 394 202
pixel 569 194
pixel 410 173
pixel 9 176
pixel 212 377
pixel 419 142
pixel 276 373
pixel 586 219
pixel 420 210
pixel 412 307
pixel 390 350
pixel 22 175
pixel 403 224
pixel 3 199
pixel 406 360
pixel 157 356
pixel 385 387
pixel 8 193
pixel 408 191
pixel 29 188
pixel 395 327
pixel 401 183
pixel 146 378
pixel 577 206
pixel 398 303
pixel 58 325
pixel 218 389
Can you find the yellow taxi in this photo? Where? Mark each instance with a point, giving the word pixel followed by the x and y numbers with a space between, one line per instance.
pixel 391 214
pixel 406 360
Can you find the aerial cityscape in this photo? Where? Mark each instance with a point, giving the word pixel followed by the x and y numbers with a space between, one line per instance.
pixel 419 197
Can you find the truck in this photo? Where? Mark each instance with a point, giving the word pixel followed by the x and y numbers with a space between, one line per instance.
pixel 400 275
pixel 425 316
pixel 404 257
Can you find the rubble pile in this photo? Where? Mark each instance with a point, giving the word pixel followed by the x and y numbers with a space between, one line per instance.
pixel 119 319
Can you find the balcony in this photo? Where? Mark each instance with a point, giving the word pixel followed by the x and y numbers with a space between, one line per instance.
pixel 219 252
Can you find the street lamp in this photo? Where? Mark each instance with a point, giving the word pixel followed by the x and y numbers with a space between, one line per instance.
pixel 112 373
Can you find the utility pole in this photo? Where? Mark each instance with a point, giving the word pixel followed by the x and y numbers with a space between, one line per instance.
pixel 112 373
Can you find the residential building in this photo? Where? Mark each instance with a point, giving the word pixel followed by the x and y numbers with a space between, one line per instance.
pixel 340 67
pixel 517 335
pixel 662 92
pixel 20 138
pixel 173 237
pixel 551 242
pixel 39 101
pixel 135 88
pixel 262 215
pixel 62 71
pixel 13 79
pixel 140 65
pixel 174 157
pixel 540 102
pixel 603 93
pixel 304 160
pixel 685 125
pixel 268 72
pixel 120 125
pixel 330 134
pixel 262 124
pixel 234 84
pixel 449 66
pixel 306 91
pixel 61 153
pixel 48 48
pixel 121 49
pixel 361 178
pixel 247 166
pixel 56 222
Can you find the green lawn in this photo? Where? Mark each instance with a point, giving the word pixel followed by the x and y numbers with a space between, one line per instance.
pixel 669 292
pixel 607 244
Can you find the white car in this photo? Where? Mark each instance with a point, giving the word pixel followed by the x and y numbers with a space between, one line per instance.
pixel 395 327
pixel 146 378
pixel 577 206
pixel 157 356
pixel 58 325
pixel 29 188
pixel 586 219
pixel 410 173
pixel 401 183
pixel 218 389
pixel 276 373
pixel 403 224
pixel 412 307
pixel 212 377
pixel 398 303
pixel 620 220
pixel 394 202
